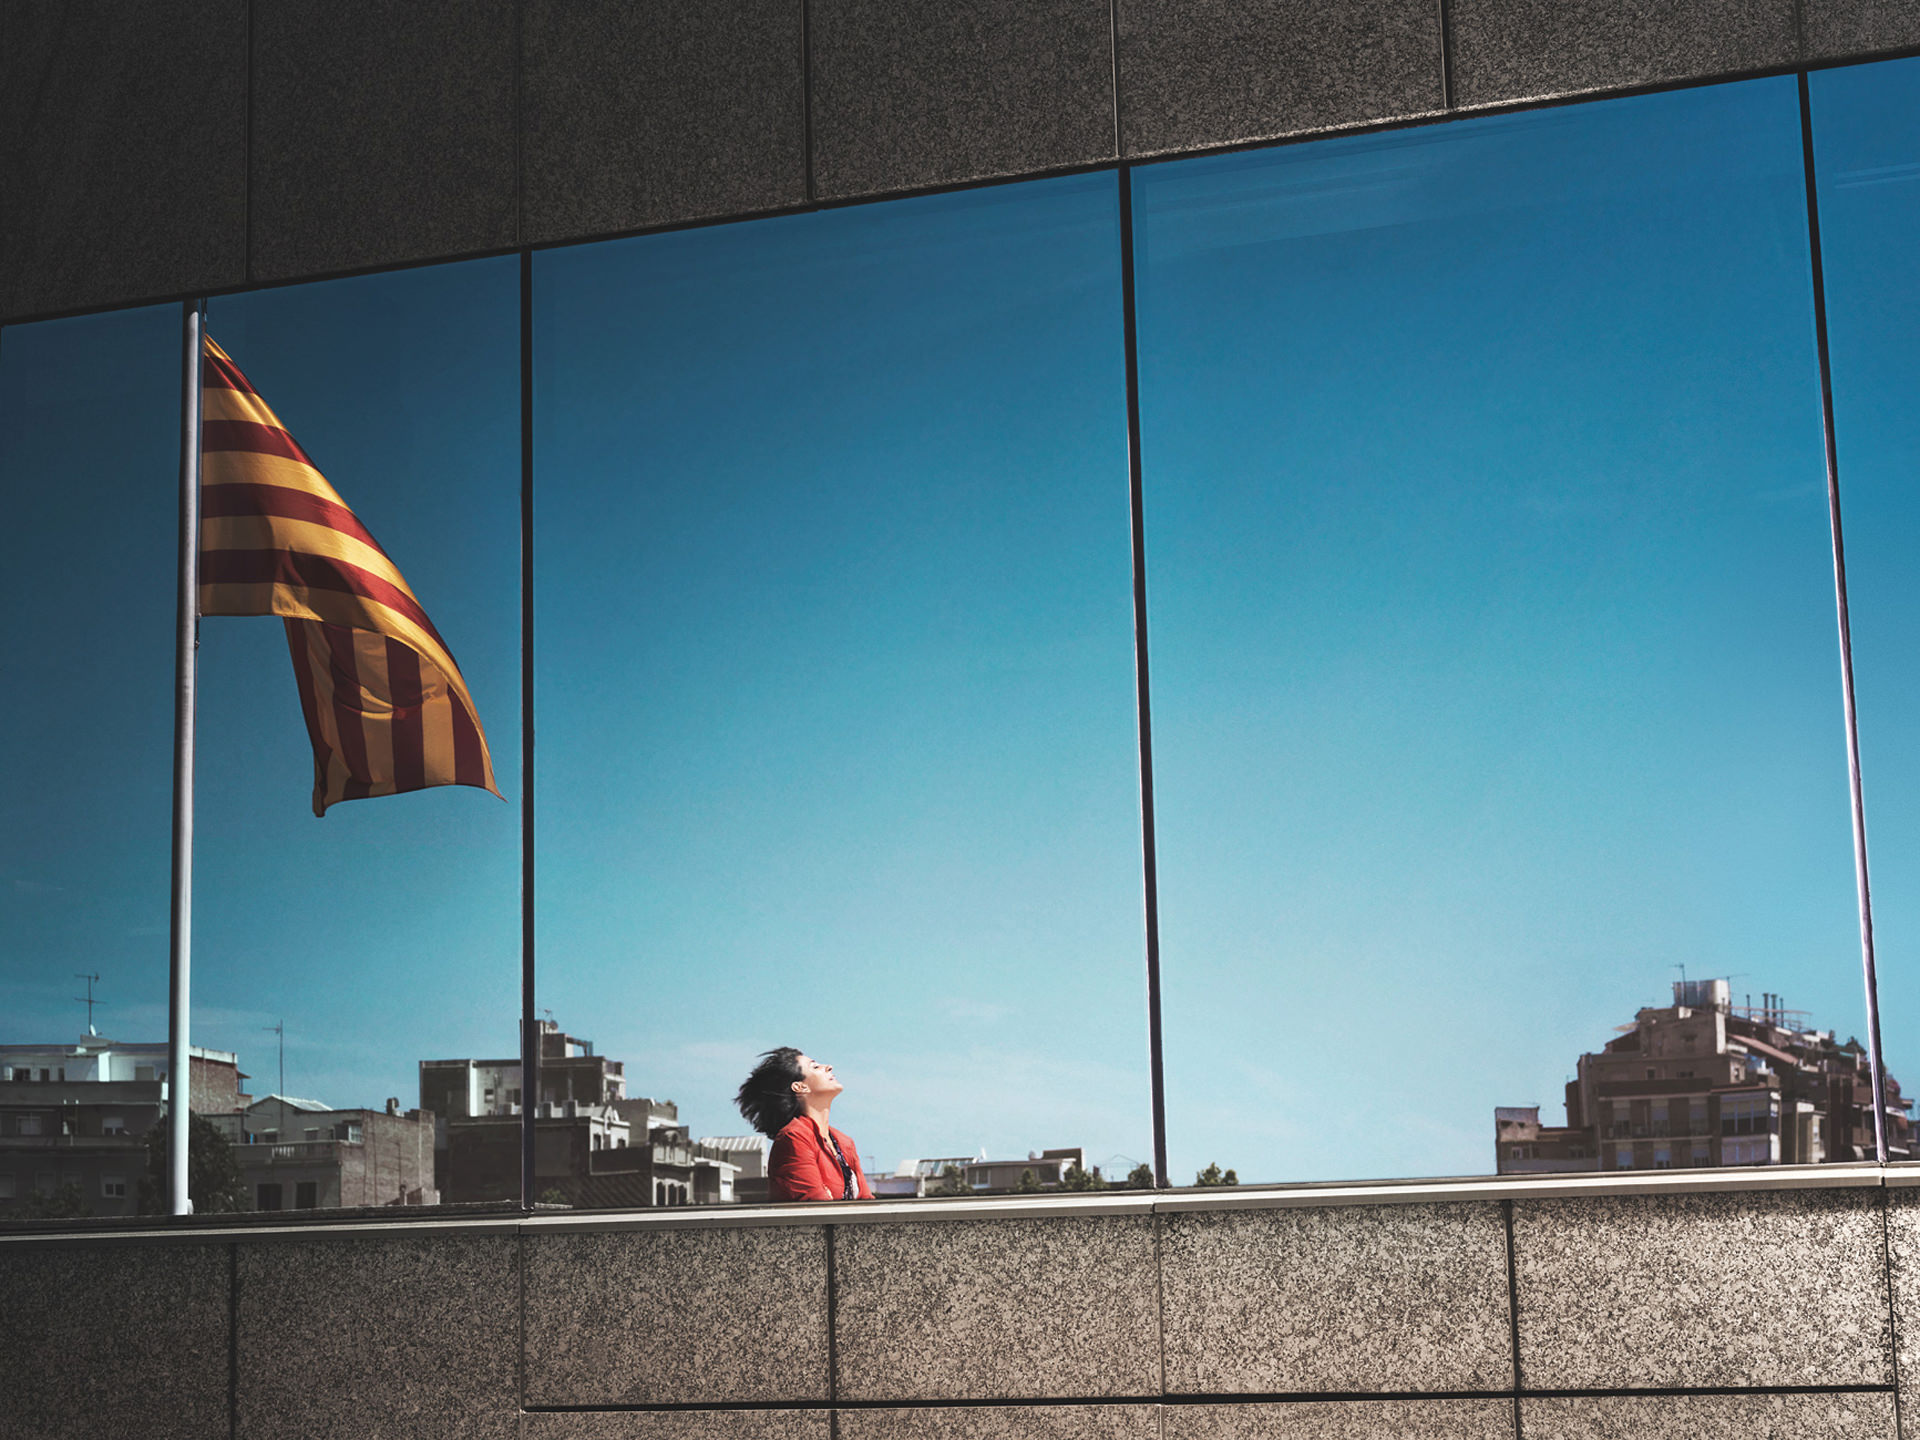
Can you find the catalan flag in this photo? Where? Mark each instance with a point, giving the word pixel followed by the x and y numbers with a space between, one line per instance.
pixel 385 705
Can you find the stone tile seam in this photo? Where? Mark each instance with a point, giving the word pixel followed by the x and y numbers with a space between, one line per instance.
pixel 1143 157
pixel 1269 1397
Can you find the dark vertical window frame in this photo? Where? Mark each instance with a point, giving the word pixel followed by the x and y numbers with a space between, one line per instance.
pixel 1862 887
pixel 1149 862
pixel 529 1033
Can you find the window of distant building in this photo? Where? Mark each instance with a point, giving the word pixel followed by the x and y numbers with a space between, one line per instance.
pixel 267 1196
pixel 28 1125
pixel 6 1187
pixel 113 1125
pixel 142 1073
pixel 306 1195
pixel 269 1137
pixel 1701 1155
pixel 114 1187
pixel 313 1132
pixel 353 1132
pixel 1623 1158
pixel 1662 1158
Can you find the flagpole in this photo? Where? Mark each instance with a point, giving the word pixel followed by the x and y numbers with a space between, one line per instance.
pixel 186 642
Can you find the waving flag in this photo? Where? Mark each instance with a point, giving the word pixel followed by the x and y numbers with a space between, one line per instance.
pixel 385 705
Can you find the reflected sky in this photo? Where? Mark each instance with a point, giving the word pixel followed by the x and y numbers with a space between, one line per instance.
pixel 1492 626
pixel 835 683
pixel 387 932
pixel 1867 149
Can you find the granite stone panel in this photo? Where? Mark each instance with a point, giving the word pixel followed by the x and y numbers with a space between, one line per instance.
pixel 383 132
pixel 1747 1288
pixel 349 1339
pixel 1212 72
pixel 997 1309
pixel 913 93
pixel 1343 1420
pixel 1903 1253
pixel 1523 49
pixel 677 1425
pixel 123 166
pixel 1857 1416
pixel 642 115
pixel 641 1317
pixel 1004 1422
pixel 1836 29
pixel 1349 1298
pixel 79 1341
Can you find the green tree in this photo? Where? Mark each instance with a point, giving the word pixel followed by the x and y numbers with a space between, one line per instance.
pixel 1029 1184
pixel 65 1203
pixel 1140 1177
pixel 1079 1179
pixel 953 1181
pixel 1214 1175
pixel 213 1173
pixel 554 1195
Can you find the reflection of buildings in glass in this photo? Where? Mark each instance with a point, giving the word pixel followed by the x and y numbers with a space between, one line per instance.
pixel 979 1175
pixel 79 1115
pixel 301 1155
pixel 593 1147
pixel 1702 1083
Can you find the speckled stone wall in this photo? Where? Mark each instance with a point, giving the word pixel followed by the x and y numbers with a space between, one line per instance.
pixel 179 147
pixel 1447 1313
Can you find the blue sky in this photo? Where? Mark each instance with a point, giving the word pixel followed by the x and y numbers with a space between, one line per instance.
pixel 1492 631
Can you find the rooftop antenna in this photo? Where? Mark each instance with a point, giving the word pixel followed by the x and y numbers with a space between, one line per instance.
pixel 279 1027
pixel 88 999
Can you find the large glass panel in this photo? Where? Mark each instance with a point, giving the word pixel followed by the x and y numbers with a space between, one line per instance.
pixel 387 933
pixel 1493 645
pixel 89 467
pixel 1867 150
pixel 834 687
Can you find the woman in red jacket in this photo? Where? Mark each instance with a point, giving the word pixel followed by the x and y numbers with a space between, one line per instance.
pixel 787 1098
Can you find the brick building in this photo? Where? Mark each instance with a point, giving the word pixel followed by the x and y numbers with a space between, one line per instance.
pixel 1703 1083
pixel 78 1115
pixel 302 1155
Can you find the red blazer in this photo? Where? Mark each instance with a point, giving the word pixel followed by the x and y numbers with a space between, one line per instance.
pixel 803 1168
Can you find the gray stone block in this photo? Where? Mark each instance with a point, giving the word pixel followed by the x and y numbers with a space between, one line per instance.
pixel 641 115
pixel 1353 1298
pixel 1344 1420
pixel 677 1425
pixel 1738 1289
pixel 1214 72
pixel 913 93
pixel 383 132
pixel 1837 29
pixel 123 163
pixel 656 1316
pixel 1854 1416
pixel 997 1309
pixel 1522 49
pixel 403 1335
pixel 81 1352
pixel 1004 1422
pixel 1903 1252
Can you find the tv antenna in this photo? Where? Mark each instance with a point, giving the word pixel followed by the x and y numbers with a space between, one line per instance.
pixel 88 999
pixel 279 1027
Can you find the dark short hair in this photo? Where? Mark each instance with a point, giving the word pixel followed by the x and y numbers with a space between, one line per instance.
pixel 767 1098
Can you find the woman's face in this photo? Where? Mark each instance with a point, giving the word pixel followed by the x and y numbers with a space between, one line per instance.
pixel 816 1079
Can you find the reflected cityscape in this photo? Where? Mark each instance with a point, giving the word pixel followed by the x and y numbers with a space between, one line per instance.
pixel 1702 1082
pixel 82 1126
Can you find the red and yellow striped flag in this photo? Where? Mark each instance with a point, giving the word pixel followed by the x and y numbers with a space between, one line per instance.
pixel 386 708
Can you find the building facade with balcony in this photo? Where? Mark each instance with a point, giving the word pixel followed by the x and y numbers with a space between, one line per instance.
pixel 1703 1083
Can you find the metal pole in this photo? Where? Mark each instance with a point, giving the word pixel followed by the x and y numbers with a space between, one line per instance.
pixel 186 642
pixel 1863 892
